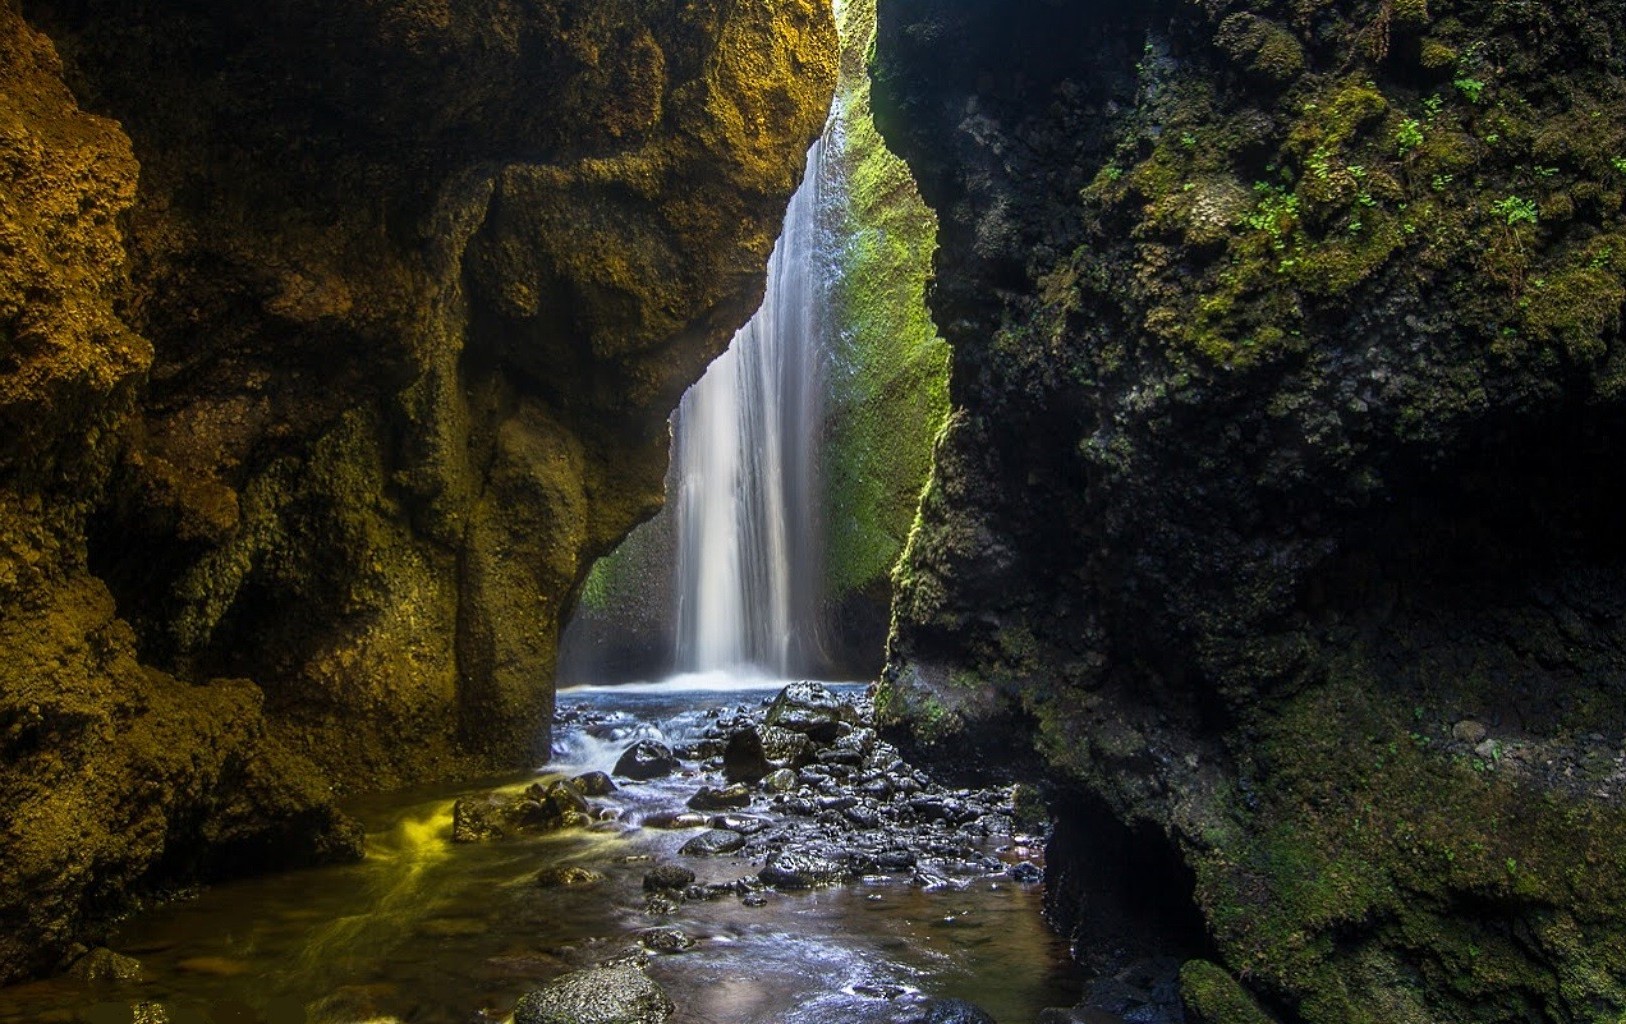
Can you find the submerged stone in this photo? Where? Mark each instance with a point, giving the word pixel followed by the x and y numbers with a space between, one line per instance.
pixel 618 994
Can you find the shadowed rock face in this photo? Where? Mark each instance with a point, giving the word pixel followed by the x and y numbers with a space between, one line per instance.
pixel 338 339
pixel 1276 513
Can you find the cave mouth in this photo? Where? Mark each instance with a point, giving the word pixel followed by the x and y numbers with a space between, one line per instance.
pixel 1120 893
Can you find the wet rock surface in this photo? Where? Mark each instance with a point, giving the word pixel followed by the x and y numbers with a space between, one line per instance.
pixel 614 994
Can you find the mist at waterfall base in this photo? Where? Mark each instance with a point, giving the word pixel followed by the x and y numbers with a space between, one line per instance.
pixel 744 533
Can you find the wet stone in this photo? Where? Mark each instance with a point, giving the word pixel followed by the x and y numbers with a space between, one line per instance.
pixel 713 843
pixel 103 964
pixel 807 868
pixel 593 784
pixel 668 877
pixel 646 760
pixel 618 994
pixel 709 799
pixel 781 781
pixel 569 877
pixel 811 709
pixel 665 940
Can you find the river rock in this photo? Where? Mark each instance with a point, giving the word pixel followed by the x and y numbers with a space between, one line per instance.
pixel 785 748
pixel 668 876
pixel 954 1011
pixel 713 843
pixel 646 760
pixel 812 710
pixel 806 868
pixel 727 798
pixel 744 759
pixel 618 994
pixel 593 784
pixel 665 940
pixel 675 820
pixel 782 780
pixel 103 964
pixel 478 818
pixel 569 877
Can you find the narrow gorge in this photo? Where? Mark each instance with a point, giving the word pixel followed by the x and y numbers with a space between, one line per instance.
pixel 798 512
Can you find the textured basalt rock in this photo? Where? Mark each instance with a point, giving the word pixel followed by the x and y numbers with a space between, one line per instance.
pixel 339 338
pixel 1287 386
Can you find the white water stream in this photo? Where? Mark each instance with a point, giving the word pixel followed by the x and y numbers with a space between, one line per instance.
pixel 746 453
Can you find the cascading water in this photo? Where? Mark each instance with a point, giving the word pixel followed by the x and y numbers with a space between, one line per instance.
pixel 745 448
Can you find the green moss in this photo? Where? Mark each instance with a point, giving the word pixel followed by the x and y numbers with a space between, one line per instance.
pixel 889 378
pixel 1214 997
pixel 1367 829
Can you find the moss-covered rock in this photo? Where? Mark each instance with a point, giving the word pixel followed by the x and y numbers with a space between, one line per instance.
pixel 341 393
pixel 1286 437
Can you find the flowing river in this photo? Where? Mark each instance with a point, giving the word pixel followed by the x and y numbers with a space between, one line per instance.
pixel 428 931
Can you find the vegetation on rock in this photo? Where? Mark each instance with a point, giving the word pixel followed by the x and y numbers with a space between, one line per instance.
pixel 1287 375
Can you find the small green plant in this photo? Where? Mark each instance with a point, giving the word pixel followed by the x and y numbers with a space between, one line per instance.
pixel 1409 135
pixel 1546 172
pixel 1188 140
pixel 1432 106
pixel 1276 214
pixel 1321 164
pixel 1114 173
pixel 1517 211
pixel 1620 164
pixel 1442 181
pixel 1472 88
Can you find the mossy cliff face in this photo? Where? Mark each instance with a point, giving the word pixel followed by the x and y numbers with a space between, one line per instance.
pixel 339 339
pixel 889 368
pixel 1276 513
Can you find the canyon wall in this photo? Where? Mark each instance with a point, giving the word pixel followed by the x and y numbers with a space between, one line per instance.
pixel 339 338
pixel 1275 524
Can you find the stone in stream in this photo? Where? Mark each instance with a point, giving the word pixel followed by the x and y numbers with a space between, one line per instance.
pixel 102 964
pixel 646 760
pixel 569 877
pixel 781 781
pixel 713 843
pixel 667 877
pixel 811 709
pixel 744 759
pixel 593 784
pixel 478 818
pixel 665 940
pixel 617 994
pixel 724 799
pixel 675 820
pixel 954 1011
pixel 807 868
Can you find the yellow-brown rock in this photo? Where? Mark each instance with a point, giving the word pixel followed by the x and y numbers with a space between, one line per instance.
pixel 314 417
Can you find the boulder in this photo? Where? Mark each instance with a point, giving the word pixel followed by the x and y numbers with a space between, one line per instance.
pixel 744 759
pixel 646 760
pixel 727 798
pixel 812 710
pixel 616 994
pixel 807 868
pixel 593 784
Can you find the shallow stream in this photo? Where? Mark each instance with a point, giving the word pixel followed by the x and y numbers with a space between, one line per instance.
pixel 426 931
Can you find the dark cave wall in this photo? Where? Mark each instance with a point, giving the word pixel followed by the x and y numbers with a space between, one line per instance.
pixel 339 339
pixel 1275 507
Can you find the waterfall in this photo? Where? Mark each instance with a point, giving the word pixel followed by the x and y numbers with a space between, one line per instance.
pixel 746 463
